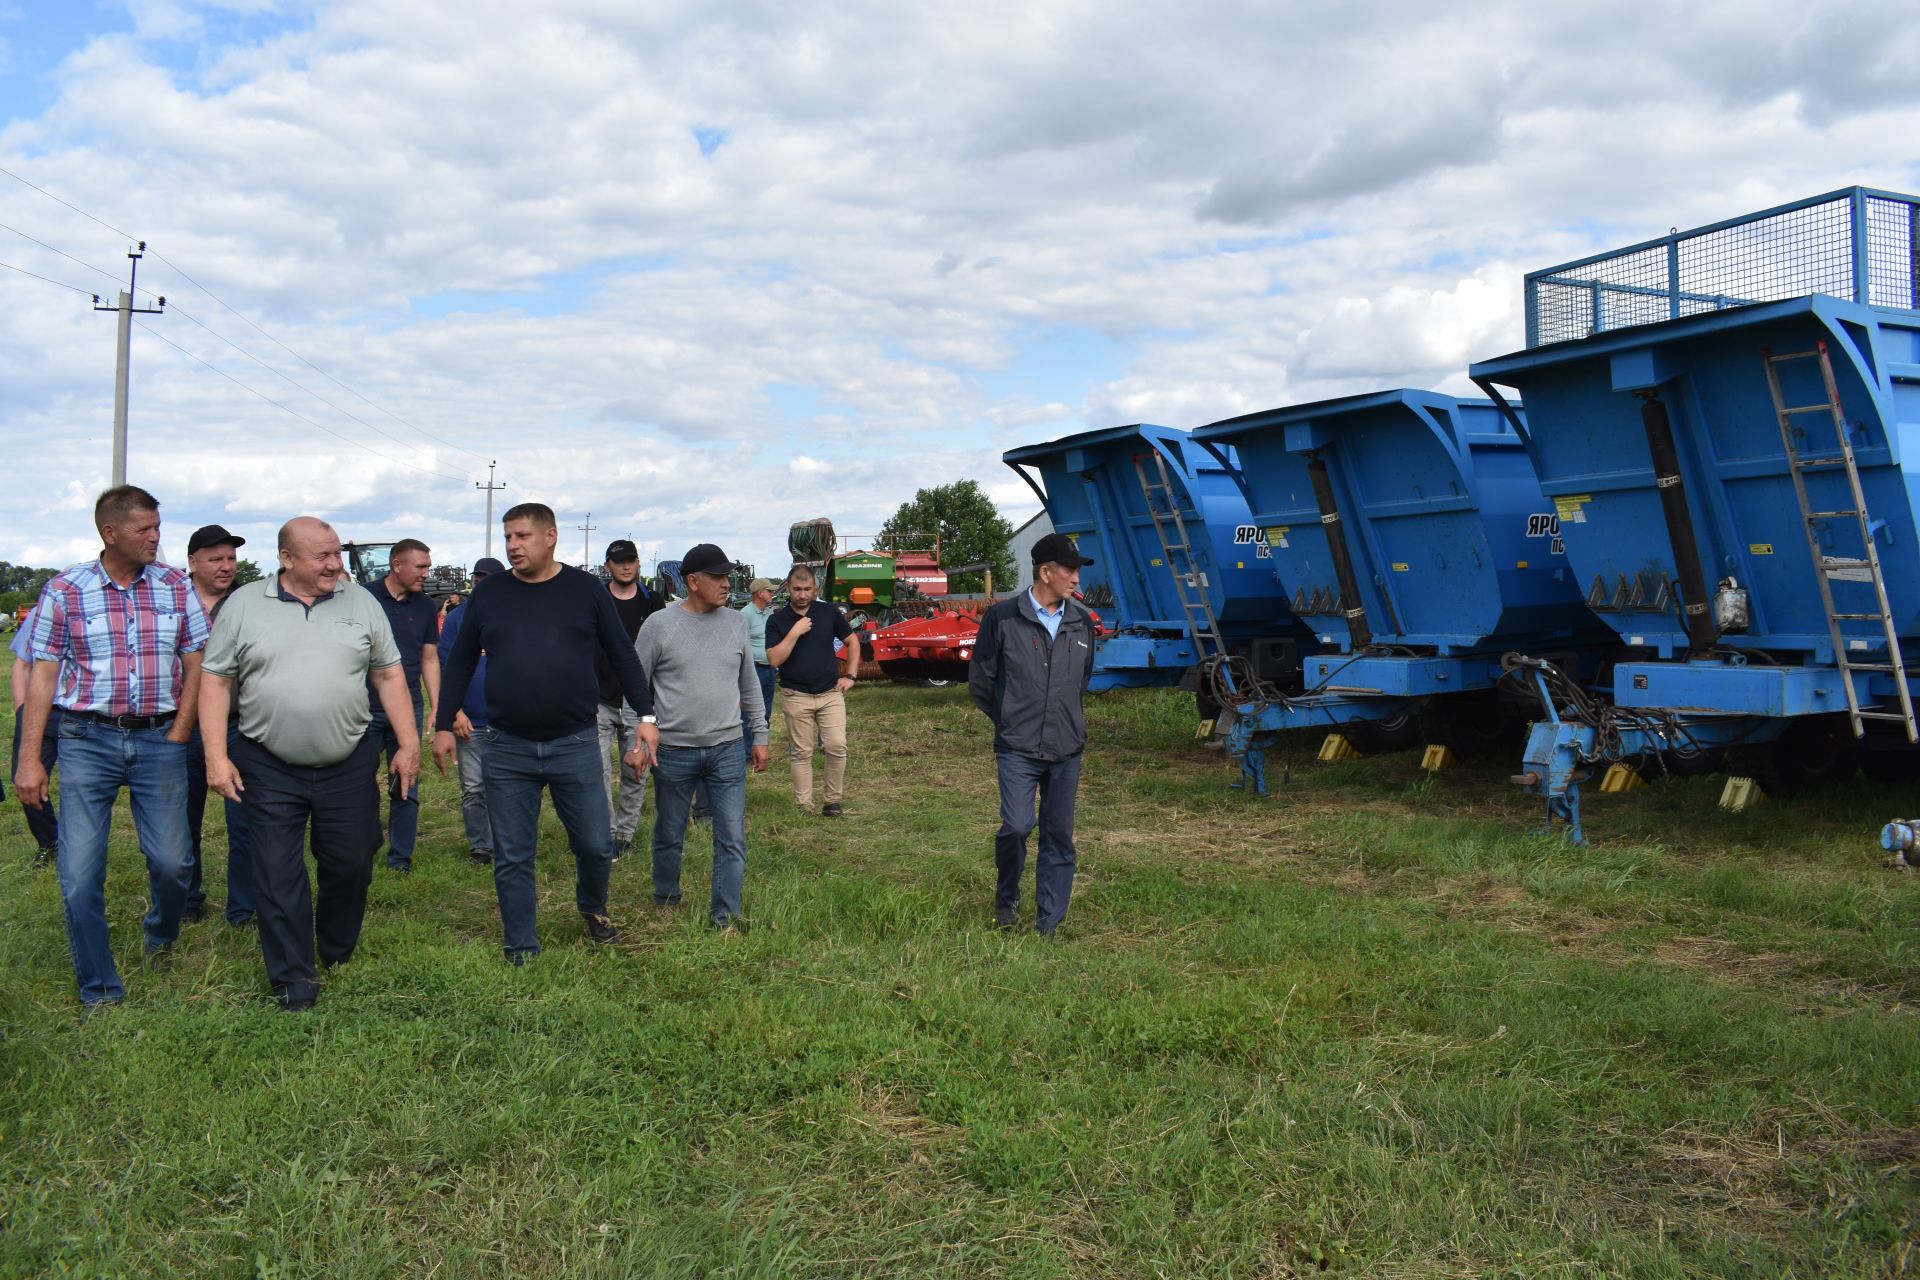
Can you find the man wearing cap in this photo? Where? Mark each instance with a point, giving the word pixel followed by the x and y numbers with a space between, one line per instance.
pixel 116 646
pixel 1031 664
pixel 292 656
pixel 415 622
pixel 617 722
pixel 212 561
pixel 539 627
pixel 757 609
pixel 813 682
pixel 699 664
pixel 470 747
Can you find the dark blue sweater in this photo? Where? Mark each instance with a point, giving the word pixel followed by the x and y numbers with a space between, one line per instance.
pixel 540 639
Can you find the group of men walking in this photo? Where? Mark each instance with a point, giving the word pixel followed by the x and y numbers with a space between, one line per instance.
pixel 282 695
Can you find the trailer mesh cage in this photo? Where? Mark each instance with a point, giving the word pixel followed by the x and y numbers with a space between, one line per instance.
pixel 1856 243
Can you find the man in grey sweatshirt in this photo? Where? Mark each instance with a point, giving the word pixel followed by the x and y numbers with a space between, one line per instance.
pixel 699 664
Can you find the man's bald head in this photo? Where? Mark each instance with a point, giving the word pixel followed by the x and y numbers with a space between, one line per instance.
pixel 303 527
pixel 309 557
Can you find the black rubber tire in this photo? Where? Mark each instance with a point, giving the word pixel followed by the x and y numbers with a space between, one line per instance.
pixel 1473 725
pixel 1381 737
pixel 1815 751
pixel 1891 768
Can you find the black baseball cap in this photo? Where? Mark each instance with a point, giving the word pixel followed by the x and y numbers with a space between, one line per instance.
pixel 621 549
pixel 211 535
pixel 705 558
pixel 486 565
pixel 1058 548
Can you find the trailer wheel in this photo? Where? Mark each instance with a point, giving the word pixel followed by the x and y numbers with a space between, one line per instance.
pixel 1379 737
pixel 1815 751
pixel 1472 725
pixel 1891 766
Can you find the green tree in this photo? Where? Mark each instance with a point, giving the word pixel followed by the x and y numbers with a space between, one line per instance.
pixel 971 531
pixel 246 571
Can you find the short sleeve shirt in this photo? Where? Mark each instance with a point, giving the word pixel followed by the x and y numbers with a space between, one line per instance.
pixel 119 647
pixel 811 667
pixel 299 670
pixel 415 621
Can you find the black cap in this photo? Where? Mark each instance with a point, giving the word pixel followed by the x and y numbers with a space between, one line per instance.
pixel 621 549
pixel 486 565
pixel 705 558
pixel 1058 548
pixel 211 535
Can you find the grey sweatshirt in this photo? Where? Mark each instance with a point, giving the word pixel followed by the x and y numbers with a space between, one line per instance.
pixel 700 667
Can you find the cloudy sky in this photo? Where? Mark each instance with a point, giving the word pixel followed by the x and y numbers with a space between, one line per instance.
pixel 705 269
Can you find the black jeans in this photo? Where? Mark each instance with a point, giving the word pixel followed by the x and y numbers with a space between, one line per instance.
pixel 341 804
pixel 239 859
pixel 42 822
pixel 1057 782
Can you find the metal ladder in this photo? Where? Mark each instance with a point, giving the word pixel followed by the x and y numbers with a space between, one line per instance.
pixel 1827 568
pixel 1189 583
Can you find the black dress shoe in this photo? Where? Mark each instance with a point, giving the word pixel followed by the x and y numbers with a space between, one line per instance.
pixel 1005 919
pixel 832 811
pixel 296 1006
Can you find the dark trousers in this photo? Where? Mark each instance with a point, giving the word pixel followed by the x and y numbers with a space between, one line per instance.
pixel 340 805
pixel 403 816
pixel 1057 782
pixel 42 822
pixel 239 860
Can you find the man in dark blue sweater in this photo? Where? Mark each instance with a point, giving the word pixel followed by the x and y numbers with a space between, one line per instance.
pixel 540 627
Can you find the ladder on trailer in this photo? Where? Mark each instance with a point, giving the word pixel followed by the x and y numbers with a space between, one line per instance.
pixel 1176 547
pixel 1829 569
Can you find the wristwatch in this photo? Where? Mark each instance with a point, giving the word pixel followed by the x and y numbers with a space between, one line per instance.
pixel 649 719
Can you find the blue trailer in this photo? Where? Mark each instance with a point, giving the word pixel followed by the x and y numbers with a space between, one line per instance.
pixel 1176 572
pixel 1412 537
pixel 1727 421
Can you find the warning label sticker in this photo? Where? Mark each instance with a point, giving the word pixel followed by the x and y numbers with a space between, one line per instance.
pixel 1571 507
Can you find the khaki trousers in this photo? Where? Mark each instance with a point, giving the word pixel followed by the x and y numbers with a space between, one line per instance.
pixel 812 717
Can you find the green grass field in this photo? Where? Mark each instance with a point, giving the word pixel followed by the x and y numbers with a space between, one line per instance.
pixel 1366 1027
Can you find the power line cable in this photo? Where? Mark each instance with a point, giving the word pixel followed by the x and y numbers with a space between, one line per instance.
pixel 295 412
pixel 179 271
pixel 405 444
pixel 62 252
pixel 85 293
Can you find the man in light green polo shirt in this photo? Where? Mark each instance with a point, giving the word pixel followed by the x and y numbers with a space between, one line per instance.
pixel 297 651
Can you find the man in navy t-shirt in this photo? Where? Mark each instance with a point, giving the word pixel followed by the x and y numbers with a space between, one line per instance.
pixel 814 682
pixel 415 620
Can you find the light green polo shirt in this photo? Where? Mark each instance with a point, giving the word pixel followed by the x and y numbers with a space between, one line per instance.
pixel 300 673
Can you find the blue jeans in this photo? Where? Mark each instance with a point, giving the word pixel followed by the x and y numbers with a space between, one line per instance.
pixel 239 854
pixel 1056 782
pixel 403 815
pixel 96 761
pixel 769 678
pixel 724 771
pixel 515 769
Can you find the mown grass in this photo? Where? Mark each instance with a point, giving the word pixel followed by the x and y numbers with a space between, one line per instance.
pixel 1369 1027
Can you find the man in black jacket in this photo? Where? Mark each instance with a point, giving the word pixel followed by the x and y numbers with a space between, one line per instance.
pixel 1031 664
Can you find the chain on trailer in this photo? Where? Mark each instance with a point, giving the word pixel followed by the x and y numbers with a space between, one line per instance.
pixel 1564 699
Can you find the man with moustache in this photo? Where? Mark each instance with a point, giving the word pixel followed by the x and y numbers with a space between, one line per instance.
pixel 295 652
pixel 116 646
pixel 416 629
pixel 540 627
pixel 212 560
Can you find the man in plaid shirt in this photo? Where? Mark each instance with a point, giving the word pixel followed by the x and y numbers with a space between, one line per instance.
pixel 116 646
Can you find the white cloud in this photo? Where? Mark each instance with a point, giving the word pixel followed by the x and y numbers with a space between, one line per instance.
pixel 496 220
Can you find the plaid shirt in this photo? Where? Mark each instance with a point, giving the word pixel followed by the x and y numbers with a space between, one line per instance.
pixel 118 647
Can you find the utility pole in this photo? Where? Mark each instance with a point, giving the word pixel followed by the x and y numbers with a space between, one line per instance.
pixel 123 360
pixel 586 540
pixel 490 487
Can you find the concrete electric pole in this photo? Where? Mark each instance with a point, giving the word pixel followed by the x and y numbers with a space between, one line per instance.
pixel 586 540
pixel 123 360
pixel 490 487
